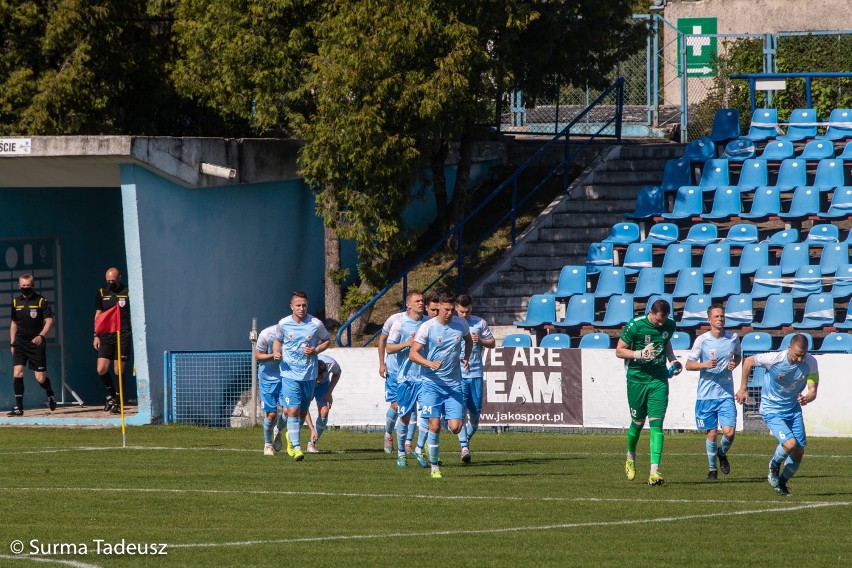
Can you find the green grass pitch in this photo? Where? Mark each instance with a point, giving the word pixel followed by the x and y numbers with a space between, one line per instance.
pixel 526 500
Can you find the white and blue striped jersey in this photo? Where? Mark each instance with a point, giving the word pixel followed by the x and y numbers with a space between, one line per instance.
pixel 267 370
pixel 401 331
pixel 391 363
pixel 783 381
pixel 294 336
pixel 444 343
pixel 480 327
pixel 331 365
pixel 717 382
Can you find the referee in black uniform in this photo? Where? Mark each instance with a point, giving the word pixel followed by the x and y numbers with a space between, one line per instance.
pixel 32 319
pixel 115 293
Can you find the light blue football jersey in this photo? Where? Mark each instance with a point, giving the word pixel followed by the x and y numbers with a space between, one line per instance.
pixel 783 381
pixel 717 382
pixel 267 370
pixel 444 343
pixel 295 365
pixel 391 361
pixel 401 331
pixel 480 327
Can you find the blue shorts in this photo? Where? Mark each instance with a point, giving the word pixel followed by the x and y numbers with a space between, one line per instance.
pixel 297 393
pixel 390 388
pixel 713 413
pixel 473 394
pixel 437 399
pixel 786 426
pixel 319 393
pixel 406 397
pixel 270 392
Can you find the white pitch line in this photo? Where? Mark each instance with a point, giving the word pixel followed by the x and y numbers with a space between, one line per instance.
pixel 507 529
pixel 391 495
pixel 27 557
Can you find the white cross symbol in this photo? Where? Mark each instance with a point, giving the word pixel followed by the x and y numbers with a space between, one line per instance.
pixel 697 43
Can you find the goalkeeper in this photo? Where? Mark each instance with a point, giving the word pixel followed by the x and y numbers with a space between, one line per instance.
pixel 645 345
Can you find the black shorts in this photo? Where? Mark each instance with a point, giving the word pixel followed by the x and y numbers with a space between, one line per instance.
pixel 28 352
pixel 109 346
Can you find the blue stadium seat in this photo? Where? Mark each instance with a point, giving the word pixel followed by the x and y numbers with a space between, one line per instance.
pixel 619 311
pixel 652 299
pixel 651 281
pixel 801 126
pixel 677 257
pixel 689 281
pixel 623 234
pixel 842 285
pixel 599 257
pixel 541 310
pixel 637 257
pixel 816 150
pixel 766 203
pixel 839 125
pixel 756 342
pixel 572 280
pixel 840 205
pixel 845 323
pixel 610 282
pixel 793 256
pixel 675 174
pixel 785 342
pixel 822 234
pixel 741 234
pixel 727 282
pixel 517 340
pixel 556 341
pixel 846 154
pixel 836 342
pixel 833 256
pixel 806 281
pixel 829 175
pixel 767 282
pixel 739 150
pixel 793 173
pixel 594 341
pixel 681 341
pixel 650 202
pixel 714 174
pixel 739 311
pixel 753 174
pixel 726 125
pixel 778 312
pixel 777 151
pixel 695 311
pixel 716 257
pixel 688 203
pixel 727 203
pixel 780 238
pixel 699 151
pixel 753 257
pixel 579 311
pixel 662 234
pixel 805 203
pixel 819 312
pixel 702 234
pixel 764 125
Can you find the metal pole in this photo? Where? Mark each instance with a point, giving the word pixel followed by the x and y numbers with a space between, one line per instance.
pixel 655 121
pixel 253 339
pixel 684 76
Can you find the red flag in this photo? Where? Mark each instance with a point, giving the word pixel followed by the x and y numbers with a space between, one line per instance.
pixel 108 321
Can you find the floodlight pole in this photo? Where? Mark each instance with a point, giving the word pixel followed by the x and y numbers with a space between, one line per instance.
pixel 253 339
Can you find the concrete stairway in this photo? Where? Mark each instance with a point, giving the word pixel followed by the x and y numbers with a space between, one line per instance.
pixel 563 232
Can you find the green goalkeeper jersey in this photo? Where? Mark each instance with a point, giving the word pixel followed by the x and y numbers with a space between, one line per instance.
pixel 638 333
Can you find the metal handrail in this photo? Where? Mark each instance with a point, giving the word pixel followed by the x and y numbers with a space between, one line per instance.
pixel 512 181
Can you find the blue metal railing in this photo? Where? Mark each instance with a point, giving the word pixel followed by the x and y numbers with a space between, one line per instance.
pixel 808 77
pixel 344 334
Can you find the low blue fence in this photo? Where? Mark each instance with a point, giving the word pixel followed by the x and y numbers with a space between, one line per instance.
pixel 208 388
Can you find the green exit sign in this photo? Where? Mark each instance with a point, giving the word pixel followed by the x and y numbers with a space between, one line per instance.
pixel 700 50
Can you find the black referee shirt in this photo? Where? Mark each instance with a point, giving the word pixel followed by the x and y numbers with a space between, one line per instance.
pixel 29 315
pixel 106 299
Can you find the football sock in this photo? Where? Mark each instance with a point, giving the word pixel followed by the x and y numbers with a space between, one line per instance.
pixel 106 379
pixel 423 432
pixel 633 434
pixel 726 444
pixel 472 425
pixel 320 425
pixel 780 456
pixel 401 431
pixel 46 386
pixel 411 428
pixel 294 430
pixel 19 392
pixel 390 420
pixel 711 453
pixel 463 436
pixel 267 431
pixel 434 448
pixel 282 424
pixel 790 469
pixel 656 440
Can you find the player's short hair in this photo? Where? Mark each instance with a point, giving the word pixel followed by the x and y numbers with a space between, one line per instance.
pixel 715 306
pixel 799 341
pixel 464 300
pixel 321 368
pixel 298 294
pixel 412 293
pixel 432 298
pixel 446 297
pixel 661 307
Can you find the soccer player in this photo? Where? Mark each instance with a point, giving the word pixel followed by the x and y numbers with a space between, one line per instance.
pixel 781 402
pixel 388 370
pixel 400 339
pixel 438 347
pixel 715 354
pixel 645 346
pixel 430 310
pixel 300 339
pixel 269 381
pixel 328 373
pixel 481 337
